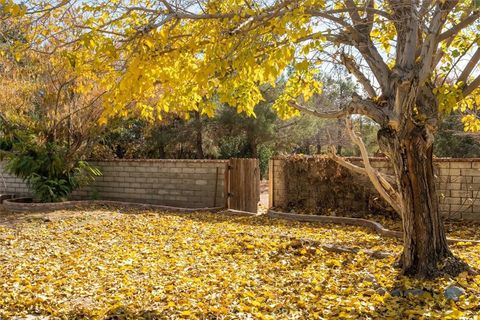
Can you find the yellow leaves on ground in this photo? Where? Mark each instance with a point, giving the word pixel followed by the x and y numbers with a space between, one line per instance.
pixel 101 264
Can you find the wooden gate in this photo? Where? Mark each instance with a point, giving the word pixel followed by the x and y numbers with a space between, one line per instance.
pixel 243 185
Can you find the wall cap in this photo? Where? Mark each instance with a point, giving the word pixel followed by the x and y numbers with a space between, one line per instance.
pixel 374 159
pixel 161 160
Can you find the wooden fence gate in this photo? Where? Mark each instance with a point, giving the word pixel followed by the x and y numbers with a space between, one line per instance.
pixel 243 185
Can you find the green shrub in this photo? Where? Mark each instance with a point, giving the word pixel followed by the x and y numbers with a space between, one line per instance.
pixel 264 154
pixel 50 170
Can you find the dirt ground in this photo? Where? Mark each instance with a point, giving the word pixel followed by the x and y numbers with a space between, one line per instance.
pixel 263 204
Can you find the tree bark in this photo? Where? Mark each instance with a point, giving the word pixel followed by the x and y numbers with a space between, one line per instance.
pixel 199 136
pixel 252 145
pixel 426 253
pixel 161 151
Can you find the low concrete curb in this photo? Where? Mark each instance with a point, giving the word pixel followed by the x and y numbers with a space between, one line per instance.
pixel 4 197
pixel 19 205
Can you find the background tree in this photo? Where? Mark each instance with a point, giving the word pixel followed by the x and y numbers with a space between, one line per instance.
pixel 452 141
pixel 47 128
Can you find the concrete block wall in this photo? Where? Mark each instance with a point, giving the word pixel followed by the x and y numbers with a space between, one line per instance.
pixel 10 184
pixel 179 183
pixel 458 185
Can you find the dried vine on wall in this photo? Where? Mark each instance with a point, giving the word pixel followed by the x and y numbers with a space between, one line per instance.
pixel 321 186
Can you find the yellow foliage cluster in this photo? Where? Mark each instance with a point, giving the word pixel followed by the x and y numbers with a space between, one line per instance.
pixel 182 69
pixel 222 51
pixel 38 92
pixel 450 98
pixel 181 66
pixel 11 8
pixel 99 264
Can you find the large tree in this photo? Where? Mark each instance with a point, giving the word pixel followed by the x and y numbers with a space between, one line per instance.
pixel 414 59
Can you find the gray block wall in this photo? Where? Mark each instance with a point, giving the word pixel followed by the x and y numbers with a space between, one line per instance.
pixel 179 183
pixel 10 184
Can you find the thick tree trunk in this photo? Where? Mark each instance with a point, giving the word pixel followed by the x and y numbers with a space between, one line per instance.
pixel 252 145
pixel 199 136
pixel 426 252
pixel 161 151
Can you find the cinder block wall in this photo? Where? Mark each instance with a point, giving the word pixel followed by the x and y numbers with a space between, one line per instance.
pixel 458 185
pixel 179 183
pixel 10 184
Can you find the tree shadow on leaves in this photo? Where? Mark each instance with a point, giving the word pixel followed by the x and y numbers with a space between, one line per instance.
pixel 119 313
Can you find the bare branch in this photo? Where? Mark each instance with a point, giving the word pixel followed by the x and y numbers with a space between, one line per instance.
pixel 359 37
pixel 323 14
pixel 375 61
pixel 381 185
pixel 344 163
pixel 353 68
pixel 471 86
pixel 353 12
pixel 369 9
pixel 358 106
pixel 167 5
pixel 472 63
pixel 453 31
pixel 430 43
pixel 332 153
pixel 424 8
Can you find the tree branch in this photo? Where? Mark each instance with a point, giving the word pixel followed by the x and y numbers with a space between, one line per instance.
pixel 323 14
pixel 375 61
pixel 370 18
pixel 357 106
pixel 381 184
pixel 353 12
pixel 440 53
pixel 407 26
pixel 359 37
pixel 424 8
pixel 369 9
pixel 430 43
pixel 332 153
pixel 472 63
pixel 458 27
pixel 471 86
pixel 353 68
pixel 344 163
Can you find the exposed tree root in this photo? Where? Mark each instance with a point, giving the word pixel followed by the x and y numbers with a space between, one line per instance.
pixel 341 249
pixel 453 266
pixel 450 266
pixel 299 243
